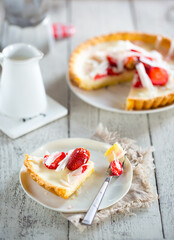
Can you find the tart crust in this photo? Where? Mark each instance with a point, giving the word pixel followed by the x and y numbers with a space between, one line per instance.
pixel 131 103
pixel 143 104
pixel 62 192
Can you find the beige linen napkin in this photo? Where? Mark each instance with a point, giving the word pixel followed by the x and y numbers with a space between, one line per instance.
pixel 141 192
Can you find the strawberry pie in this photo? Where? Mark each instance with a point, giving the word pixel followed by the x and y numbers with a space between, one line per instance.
pixel 121 57
pixel 60 172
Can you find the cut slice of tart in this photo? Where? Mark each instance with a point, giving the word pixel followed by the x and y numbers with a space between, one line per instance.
pixel 144 59
pixel 60 173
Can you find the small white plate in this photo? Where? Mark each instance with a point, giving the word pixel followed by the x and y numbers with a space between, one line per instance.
pixel 111 98
pixel 116 190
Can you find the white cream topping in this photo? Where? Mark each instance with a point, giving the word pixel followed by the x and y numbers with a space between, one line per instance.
pixel 171 50
pixel 72 175
pixel 51 158
pixel 170 83
pixel 94 61
pixel 35 159
pixel 64 162
pixel 99 69
pixel 145 80
pixel 97 63
pixel 117 165
pixel 160 64
pixel 64 183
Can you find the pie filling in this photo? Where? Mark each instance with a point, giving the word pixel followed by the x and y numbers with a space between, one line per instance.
pixel 151 74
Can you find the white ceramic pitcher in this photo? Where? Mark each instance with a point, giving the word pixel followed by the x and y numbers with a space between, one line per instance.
pixel 22 93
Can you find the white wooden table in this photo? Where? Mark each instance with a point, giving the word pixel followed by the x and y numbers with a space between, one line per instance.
pixel 21 217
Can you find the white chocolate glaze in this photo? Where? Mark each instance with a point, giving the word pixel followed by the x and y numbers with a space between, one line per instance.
pixel 59 178
pixel 94 60
pixel 64 162
pixel 146 82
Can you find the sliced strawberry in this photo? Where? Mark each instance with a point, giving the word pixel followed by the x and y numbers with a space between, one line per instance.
pixel 111 72
pixel 57 158
pixel 112 61
pixel 130 62
pixel 147 67
pixel 159 76
pixel 149 58
pixel 98 76
pixel 133 50
pixel 116 167
pixel 84 168
pixel 77 158
pixel 137 82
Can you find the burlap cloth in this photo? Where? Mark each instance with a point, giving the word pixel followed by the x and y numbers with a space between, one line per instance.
pixel 141 193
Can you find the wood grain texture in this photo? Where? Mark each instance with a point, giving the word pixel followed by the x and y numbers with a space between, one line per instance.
pixel 91 19
pixel 162 19
pixel 21 217
pixel 161 124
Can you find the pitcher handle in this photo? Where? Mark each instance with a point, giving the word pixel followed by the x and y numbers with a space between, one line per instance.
pixel 1 58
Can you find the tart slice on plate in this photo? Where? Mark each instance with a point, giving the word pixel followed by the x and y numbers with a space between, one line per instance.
pixel 144 59
pixel 59 172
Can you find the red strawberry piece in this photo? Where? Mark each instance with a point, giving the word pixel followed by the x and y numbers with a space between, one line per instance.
pixel 147 64
pixel 137 82
pixel 112 61
pixel 133 50
pixel 130 62
pixel 98 76
pixel 77 158
pixel 159 76
pixel 149 58
pixel 116 167
pixel 111 72
pixel 58 158
pixel 84 168
pixel 147 67
pixel 45 158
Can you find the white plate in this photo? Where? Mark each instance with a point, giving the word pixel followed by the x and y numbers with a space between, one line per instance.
pixel 111 98
pixel 116 190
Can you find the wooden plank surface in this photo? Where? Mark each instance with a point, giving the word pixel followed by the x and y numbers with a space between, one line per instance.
pixel 147 223
pixel 21 217
pixel 161 124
